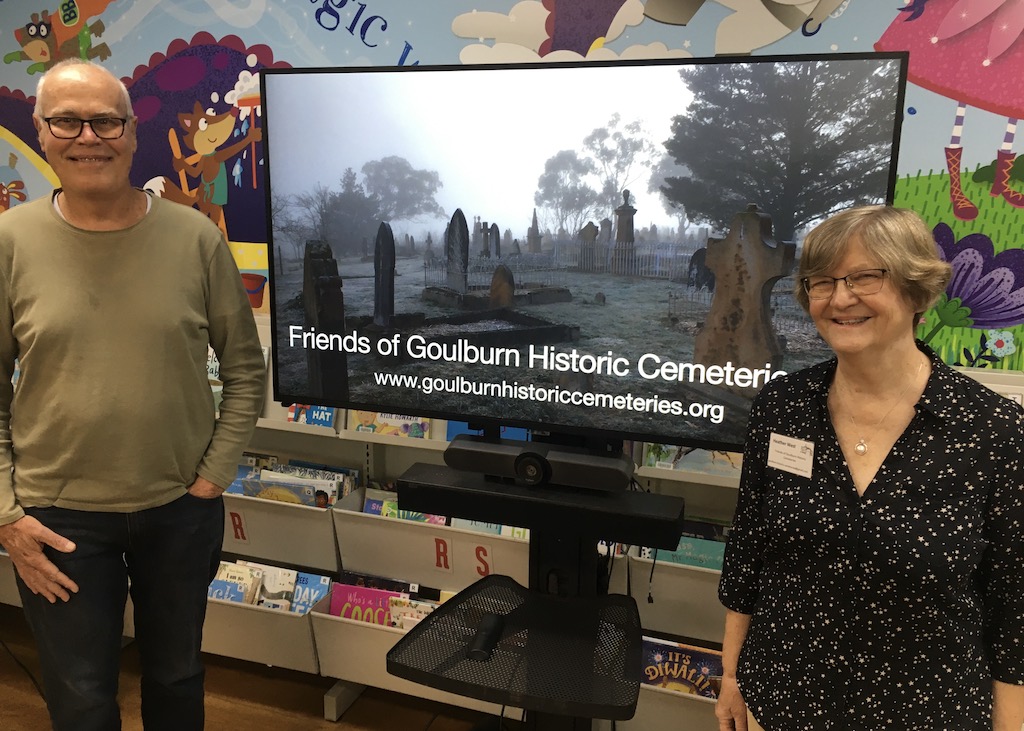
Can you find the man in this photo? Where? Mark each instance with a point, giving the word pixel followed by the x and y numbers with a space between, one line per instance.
pixel 112 462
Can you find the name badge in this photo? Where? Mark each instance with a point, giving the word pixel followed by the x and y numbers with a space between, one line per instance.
pixel 795 456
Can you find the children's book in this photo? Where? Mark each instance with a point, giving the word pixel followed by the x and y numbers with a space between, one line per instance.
pixel 704 461
pixel 506 432
pixel 277 587
pixel 513 531
pixel 344 481
pixel 248 579
pixel 407 613
pixel 325 492
pixel 312 414
pixel 397 425
pixel 414 590
pixel 326 469
pixel 309 589
pixel 249 469
pixel 362 603
pixel 285 492
pixel 681 667
pixel 375 500
pixel 389 509
pixel 702 544
pixel 226 590
pixel 477 525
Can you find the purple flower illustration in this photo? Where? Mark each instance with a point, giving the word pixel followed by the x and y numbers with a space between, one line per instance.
pixel 986 290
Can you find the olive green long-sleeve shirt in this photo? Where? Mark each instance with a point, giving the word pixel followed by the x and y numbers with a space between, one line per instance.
pixel 113 410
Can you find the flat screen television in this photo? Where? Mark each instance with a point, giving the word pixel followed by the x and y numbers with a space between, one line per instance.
pixel 556 246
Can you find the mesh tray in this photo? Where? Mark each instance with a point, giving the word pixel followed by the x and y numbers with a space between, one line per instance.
pixel 568 656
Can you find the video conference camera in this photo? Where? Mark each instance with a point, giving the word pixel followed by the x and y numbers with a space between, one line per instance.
pixel 537 463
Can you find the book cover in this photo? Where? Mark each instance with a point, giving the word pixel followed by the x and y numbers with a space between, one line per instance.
pixel 362 603
pixel 479 526
pixel 397 425
pixel 226 590
pixel 277 587
pixel 506 432
pixel 407 613
pixel 248 579
pixel 704 461
pixel 344 481
pixel 249 469
pixel 325 492
pixel 312 414
pixel 309 589
pixel 375 499
pixel 702 544
pixel 352 472
pixel 681 667
pixel 285 492
pixel 414 590
pixel 512 531
pixel 390 509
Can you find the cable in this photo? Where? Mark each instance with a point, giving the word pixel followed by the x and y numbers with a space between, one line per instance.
pixel 28 672
pixel 650 579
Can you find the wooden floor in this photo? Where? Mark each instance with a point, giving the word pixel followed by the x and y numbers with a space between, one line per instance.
pixel 239 695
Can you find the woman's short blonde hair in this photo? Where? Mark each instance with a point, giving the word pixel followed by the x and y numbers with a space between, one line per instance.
pixel 897 237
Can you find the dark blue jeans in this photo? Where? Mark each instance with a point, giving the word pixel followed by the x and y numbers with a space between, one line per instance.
pixel 168 556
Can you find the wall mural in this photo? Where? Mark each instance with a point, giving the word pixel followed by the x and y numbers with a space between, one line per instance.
pixel 194 65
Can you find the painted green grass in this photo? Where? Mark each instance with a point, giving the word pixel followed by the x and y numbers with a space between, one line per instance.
pixel 929 196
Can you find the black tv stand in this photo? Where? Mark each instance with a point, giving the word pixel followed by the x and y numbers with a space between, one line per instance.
pixel 565 620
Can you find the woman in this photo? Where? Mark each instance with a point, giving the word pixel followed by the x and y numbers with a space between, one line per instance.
pixel 874 577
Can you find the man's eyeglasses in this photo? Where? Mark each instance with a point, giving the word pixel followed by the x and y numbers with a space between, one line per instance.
pixel 68 128
pixel 867 281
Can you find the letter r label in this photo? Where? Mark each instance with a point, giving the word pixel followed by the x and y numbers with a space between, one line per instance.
pixel 236 527
pixel 441 554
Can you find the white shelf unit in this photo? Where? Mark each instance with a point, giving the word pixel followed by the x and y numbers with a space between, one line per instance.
pixel 281 533
pixel 257 634
pixel 437 556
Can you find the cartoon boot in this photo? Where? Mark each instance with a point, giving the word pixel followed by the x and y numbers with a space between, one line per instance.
pixel 1001 183
pixel 962 206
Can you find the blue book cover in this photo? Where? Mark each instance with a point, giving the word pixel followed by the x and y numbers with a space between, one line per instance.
pixel 228 590
pixel 312 414
pixel 681 667
pixel 507 432
pixel 309 588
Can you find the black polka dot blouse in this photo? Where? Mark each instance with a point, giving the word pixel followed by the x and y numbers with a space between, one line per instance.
pixel 894 610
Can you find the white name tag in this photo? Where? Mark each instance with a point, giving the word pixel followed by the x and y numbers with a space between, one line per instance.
pixel 791 455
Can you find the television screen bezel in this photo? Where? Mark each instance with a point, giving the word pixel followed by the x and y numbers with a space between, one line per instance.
pixel 574 432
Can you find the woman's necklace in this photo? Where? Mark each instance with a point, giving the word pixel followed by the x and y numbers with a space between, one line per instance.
pixel 861 448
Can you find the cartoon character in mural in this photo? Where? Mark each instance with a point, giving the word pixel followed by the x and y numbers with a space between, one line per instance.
pixel 583 26
pixel 12 187
pixel 971 52
pixel 205 135
pixel 67 33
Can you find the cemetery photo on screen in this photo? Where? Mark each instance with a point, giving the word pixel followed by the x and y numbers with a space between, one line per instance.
pixel 584 247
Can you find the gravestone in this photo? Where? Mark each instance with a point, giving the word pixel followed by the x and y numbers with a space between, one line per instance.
pixel 624 254
pixel 496 238
pixel 588 247
pixel 533 237
pixel 456 247
pixel 485 239
pixel 746 265
pixel 503 288
pixel 384 276
pixel 323 305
